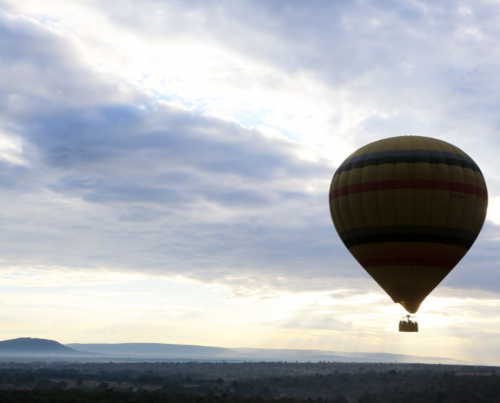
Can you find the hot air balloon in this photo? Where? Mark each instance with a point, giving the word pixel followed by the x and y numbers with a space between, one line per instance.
pixel 408 209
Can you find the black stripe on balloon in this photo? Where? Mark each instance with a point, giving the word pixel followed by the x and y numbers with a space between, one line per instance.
pixel 432 157
pixel 409 233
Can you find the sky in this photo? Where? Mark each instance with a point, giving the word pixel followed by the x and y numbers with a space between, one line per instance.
pixel 165 166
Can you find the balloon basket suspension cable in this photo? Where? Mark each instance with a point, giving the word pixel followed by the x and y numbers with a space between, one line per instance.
pixel 408 324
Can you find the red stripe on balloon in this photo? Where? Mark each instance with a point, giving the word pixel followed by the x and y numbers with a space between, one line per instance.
pixel 409 184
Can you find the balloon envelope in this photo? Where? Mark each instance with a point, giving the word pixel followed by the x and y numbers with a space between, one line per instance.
pixel 408 209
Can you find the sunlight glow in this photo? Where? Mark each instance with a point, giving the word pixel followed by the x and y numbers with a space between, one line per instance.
pixel 494 209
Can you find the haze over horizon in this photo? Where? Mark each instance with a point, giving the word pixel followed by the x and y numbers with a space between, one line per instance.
pixel 165 168
pixel 34 349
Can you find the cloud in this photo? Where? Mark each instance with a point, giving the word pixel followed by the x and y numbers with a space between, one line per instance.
pixel 113 175
pixel 33 61
pixel 114 182
pixel 334 75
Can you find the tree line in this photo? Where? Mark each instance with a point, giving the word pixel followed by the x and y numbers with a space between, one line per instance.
pixel 368 383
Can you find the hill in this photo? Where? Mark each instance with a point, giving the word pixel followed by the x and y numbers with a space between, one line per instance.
pixel 180 351
pixel 156 350
pixel 38 348
pixel 27 346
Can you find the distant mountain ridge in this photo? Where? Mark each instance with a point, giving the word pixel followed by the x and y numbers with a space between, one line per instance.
pixel 28 346
pixel 156 349
pixel 39 348
pixel 180 351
